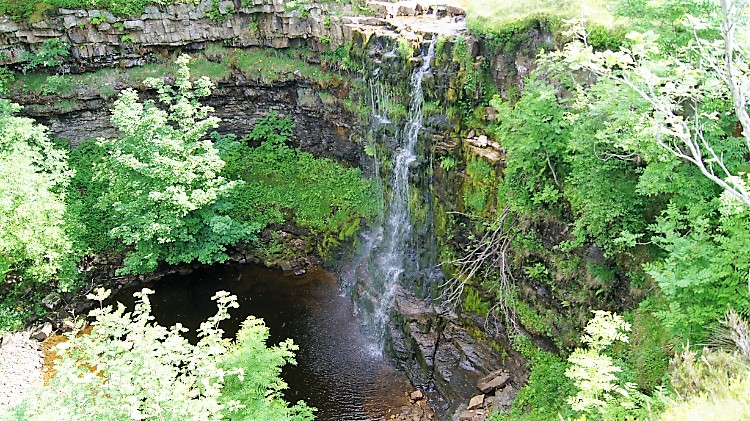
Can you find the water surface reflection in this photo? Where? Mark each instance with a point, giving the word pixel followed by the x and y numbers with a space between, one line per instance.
pixel 339 370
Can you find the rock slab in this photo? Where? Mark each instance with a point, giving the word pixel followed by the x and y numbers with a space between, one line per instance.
pixel 492 381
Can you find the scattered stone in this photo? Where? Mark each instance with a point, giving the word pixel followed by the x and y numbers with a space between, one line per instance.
pixel 287 266
pixel 471 415
pixel 491 154
pixel 42 333
pixel 482 141
pixel 68 325
pixel 454 10
pixel 476 402
pixel 416 395
pixel 494 380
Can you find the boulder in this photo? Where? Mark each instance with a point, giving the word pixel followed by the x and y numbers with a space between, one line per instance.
pixel 476 402
pixel 494 380
pixel 416 395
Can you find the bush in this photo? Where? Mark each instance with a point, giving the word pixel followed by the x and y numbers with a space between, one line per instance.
pixel 129 367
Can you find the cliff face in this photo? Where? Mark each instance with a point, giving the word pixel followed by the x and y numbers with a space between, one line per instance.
pixel 99 38
pixel 439 349
pixel 321 126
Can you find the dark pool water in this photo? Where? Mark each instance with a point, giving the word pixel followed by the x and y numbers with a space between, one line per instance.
pixel 339 369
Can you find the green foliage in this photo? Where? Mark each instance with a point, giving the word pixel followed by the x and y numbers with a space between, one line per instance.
pixel 164 189
pixel 475 199
pixel 530 318
pixel 90 223
pixel 405 49
pixel 535 135
pixel 705 269
pixel 472 302
pixel 666 18
pixel 215 13
pixel 339 58
pixel 485 18
pixel 272 128
pixel 447 163
pixel 18 304
pixel 600 390
pixel 34 242
pixel 648 350
pixel 259 389
pixel 540 398
pixel 51 53
pixel 98 19
pixel 282 182
pixel 129 367
pixel 57 85
pixel 478 169
pixel 602 186
pixel 7 77
pixel 26 9
pixel 269 65
pixel 298 6
pixel 715 383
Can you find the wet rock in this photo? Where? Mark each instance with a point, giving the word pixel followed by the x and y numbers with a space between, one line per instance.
pixel 494 380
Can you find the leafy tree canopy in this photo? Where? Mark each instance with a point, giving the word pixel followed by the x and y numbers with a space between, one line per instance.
pixel 165 187
pixel 34 244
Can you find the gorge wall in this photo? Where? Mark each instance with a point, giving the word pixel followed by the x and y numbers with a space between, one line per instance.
pixel 444 352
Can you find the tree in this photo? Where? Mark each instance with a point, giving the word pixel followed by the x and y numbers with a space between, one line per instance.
pixel 165 187
pixel 689 90
pixel 129 367
pixel 34 243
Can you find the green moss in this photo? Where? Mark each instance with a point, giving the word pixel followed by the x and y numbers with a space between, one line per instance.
pixel 417 207
pixel 478 169
pixel 475 199
pixel 472 302
pixel 533 321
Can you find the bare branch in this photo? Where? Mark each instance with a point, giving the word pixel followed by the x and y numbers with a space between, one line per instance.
pixel 488 257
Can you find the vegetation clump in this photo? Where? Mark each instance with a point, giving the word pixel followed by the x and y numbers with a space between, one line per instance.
pixel 129 367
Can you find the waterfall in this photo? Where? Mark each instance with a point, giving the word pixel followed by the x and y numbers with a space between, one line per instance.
pixel 397 233
pixel 385 251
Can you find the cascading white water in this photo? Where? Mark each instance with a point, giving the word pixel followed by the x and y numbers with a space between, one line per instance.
pixel 392 253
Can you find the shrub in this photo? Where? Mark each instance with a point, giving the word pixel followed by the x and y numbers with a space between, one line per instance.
pixel 129 367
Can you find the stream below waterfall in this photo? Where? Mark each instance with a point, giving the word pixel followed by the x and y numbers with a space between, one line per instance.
pixel 340 369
